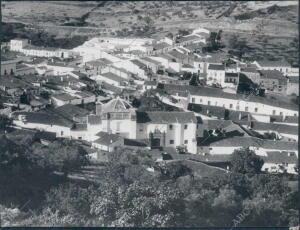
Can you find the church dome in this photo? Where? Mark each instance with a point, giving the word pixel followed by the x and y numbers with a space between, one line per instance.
pixel 116 105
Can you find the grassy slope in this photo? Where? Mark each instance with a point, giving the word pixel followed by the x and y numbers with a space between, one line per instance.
pixel 118 15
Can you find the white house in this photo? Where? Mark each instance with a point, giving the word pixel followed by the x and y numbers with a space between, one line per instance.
pixel 18 44
pixel 23 46
pixel 280 161
pixel 60 68
pixel 168 129
pixel 282 66
pixel 44 122
pixel 108 142
pixel 252 104
pixel 110 78
pixel 260 146
pixel 216 75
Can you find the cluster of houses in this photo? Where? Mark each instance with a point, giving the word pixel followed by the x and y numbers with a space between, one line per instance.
pixel 87 94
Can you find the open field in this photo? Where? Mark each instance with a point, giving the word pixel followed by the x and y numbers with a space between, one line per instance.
pixel 166 15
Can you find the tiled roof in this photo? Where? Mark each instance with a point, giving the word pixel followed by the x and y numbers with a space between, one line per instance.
pixel 111 88
pixel 96 63
pixel 231 75
pixel 147 59
pixel 161 45
pixel 60 64
pixel 84 94
pixel 63 97
pixel 215 92
pixel 45 118
pixel 79 74
pixel 166 117
pixel 139 63
pixel 281 145
pixel 71 111
pixel 271 74
pixel 177 54
pixel 279 157
pixel 249 70
pixel 113 77
pixel 107 138
pixel 216 67
pixel 281 128
pixel 94 120
pixel 255 142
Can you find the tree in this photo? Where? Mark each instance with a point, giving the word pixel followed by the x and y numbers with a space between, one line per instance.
pixel 175 170
pixel 212 40
pixel 233 41
pixel 5 122
pixel 246 161
pixel 62 155
pixel 219 37
pixel 24 98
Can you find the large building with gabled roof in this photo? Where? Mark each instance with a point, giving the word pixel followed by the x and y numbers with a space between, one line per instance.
pixel 168 129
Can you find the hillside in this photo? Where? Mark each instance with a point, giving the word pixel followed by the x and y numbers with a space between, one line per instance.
pixel 108 17
pixel 269 27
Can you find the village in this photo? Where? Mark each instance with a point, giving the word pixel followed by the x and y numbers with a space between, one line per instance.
pixel 161 95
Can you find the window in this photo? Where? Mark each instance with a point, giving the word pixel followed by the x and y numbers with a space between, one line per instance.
pixel 171 127
pixel 61 133
pixel 230 106
pixel 295 114
pixel 281 113
pixel 255 110
pixel 216 103
pixel 185 126
pixel 246 108
pixel 193 100
pixel 274 112
pixel 200 100
pixel 80 138
pixel 186 141
pixel 208 102
pixel 171 142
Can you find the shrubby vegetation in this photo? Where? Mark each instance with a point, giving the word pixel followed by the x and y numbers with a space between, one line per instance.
pixel 40 37
pixel 126 194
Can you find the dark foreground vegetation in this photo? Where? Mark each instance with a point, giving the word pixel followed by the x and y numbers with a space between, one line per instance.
pixel 39 37
pixel 36 189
